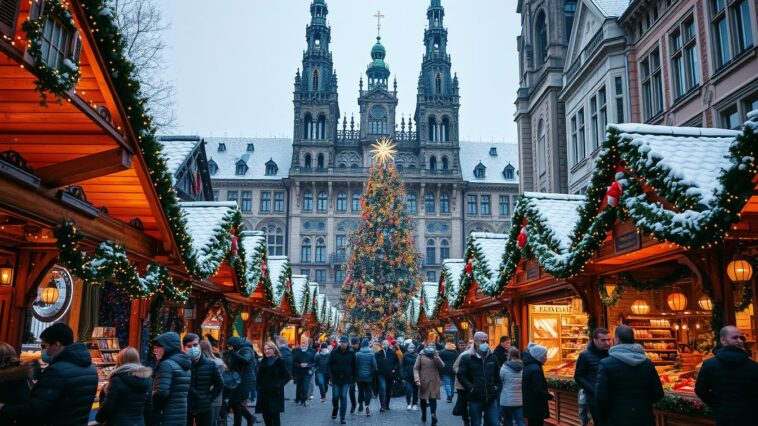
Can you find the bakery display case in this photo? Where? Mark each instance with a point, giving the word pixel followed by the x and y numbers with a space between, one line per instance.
pixel 561 328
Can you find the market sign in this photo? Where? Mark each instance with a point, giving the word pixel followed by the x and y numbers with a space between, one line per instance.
pixel 552 309
pixel 627 242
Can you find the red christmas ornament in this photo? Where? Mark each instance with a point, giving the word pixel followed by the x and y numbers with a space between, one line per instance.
pixel 469 267
pixel 522 236
pixel 234 242
pixel 614 194
pixel 264 267
pixel 442 287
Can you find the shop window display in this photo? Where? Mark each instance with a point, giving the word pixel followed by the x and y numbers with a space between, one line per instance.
pixel 561 327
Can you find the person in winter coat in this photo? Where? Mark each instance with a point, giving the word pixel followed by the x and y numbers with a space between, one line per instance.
pixel 426 374
pixel 272 376
pixel 322 370
pixel 65 390
pixel 242 360
pixel 365 371
pixel 511 402
pixel 534 387
pixel 388 363
pixel 406 369
pixel 501 351
pixel 587 365
pixel 172 381
pixel 206 384
pixel 355 346
pixel 461 404
pixel 286 353
pixel 448 356
pixel 207 349
pixel 127 398
pixel 727 382
pixel 627 383
pixel 479 374
pixel 342 370
pixel 15 378
pixel 303 360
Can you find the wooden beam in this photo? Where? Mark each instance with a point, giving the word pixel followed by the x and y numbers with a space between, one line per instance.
pixel 87 167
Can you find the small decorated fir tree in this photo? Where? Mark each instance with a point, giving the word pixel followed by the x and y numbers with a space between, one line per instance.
pixel 382 270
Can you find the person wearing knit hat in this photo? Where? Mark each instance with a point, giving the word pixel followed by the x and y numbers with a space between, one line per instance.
pixel 534 387
pixel 447 374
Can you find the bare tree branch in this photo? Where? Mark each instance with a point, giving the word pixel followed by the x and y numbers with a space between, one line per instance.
pixel 142 25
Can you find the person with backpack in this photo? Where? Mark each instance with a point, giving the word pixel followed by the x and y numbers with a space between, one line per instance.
pixel 242 360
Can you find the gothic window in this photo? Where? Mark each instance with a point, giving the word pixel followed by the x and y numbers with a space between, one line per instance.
pixel 321 128
pixel 433 163
pixel 320 161
pixel 431 252
pixel 569 10
pixel 429 202
pixel 444 202
pixel 308 161
pixel 212 167
pixel 432 129
pixel 315 80
pixel 308 126
pixel 444 250
pixel 438 84
pixel 411 203
pixel 305 250
pixel 541 147
pixel 377 120
pixel 541 38
pixel 241 168
pixel 445 130
pixel 356 203
pixel 274 239
pixel 323 200
pixel 308 201
pixel 342 202
pixel 445 162
pixel 271 168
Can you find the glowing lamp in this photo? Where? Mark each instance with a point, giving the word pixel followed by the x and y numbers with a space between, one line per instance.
pixel 245 316
pixel 705 302
pixel 677 301
pixel 610 288
pixel 6 274
pixel 640 307
pixel 50 293
pixel 739 271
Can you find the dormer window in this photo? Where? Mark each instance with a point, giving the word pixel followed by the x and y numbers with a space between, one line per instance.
pixel 221 147
pixel 493 152
pixel 271 168
pixel 241 168
pixel 212 167
pixel 480 171
pixel 250 147
pixel 509 172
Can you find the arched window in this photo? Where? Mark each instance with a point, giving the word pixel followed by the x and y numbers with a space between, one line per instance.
pixel 356 203
pixel 320 161
pixel 212 167
pixel 444 250
pixel 445 130
pixel 431 252
pixel 432 129
pixel 314 87
pixel 321 128
pixel 308 161
pixel 569 9
pixel 429 202
pixel 445 164
pixel 541 149
pixel 540 33
pixel 433 163
pixel 341 202
pixel 320 251
pixel 308 127
pixel 305 250
pixel 411 203
pixel 323 201
pixel 308 201
pixel 438 84
pixel 444 202
pixel 274 239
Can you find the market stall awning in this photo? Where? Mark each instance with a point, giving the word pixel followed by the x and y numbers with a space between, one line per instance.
pixel 450 279
pixel 279 275
pixel 484 257
pixel 298 295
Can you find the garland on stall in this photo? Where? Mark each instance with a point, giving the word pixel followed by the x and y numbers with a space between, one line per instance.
pixel 231 313
pixel 655 283
pixel 255 275
pixel 60 80
pixel 477 270
pixel 746 298
pixel 717 320
pixel 156 326
pixel 224 244
pixel 110 262
pixel 612 299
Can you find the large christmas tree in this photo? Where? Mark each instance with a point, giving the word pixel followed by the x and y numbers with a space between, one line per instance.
pixel 382 270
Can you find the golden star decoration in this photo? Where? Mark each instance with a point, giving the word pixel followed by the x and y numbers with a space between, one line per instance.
pixel 384 150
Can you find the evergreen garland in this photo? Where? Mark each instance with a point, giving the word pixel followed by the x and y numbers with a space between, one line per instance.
pixel 612 299
pixel 655 283
pixel 57 81
pixel 746 298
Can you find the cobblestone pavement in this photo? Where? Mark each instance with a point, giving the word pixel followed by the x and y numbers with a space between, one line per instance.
pixel 319 414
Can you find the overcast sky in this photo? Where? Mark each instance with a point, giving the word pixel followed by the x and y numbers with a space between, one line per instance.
pixel 233 62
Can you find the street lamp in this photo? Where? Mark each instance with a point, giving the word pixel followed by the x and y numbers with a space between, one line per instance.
pixel 6 273
pixel 245 316
pixel 50 293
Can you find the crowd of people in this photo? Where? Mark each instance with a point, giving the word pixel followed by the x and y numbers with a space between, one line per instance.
pixel 193 383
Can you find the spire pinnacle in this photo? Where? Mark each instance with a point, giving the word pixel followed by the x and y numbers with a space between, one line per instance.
pixel 379 16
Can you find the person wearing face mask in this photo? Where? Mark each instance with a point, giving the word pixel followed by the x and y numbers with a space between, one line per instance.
pixel 303 359
pixel 388 363
pixel 65 390
pixel 172 381
pixel 206 383
pixel 322 370
pixel 479 374
pixel 406 367
pixel 426 374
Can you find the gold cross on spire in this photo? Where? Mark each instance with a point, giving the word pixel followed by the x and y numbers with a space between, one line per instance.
pixel 379 18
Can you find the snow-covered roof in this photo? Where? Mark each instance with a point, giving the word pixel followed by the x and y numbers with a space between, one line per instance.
pixel 299 287
pixel 335 317
pixel 558 212
pixel 492 248
pixel 612 8
pixel 314 292
pixel 452 271
pixel 254 245
pixel 204 221
pixel 431 291
pixel 236 149
pixel 473 153
pixel 695 157
pixel 176 149
pixel 277 267
pixel 412 311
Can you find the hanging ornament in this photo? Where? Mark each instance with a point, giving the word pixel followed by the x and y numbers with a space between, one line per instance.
pixel 614 194
pixel 234 242
pixel 470 266
pixel 264 267
pixel 522 236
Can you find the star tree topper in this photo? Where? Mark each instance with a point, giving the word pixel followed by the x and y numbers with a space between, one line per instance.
pixel 384 150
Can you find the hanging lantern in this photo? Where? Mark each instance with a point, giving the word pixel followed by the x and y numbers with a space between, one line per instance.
pixel 739 271
pixel 677 301
pixel 245 315
pixel 705 302
pixel 610 288
pixel 6 273
pixel 50 293
pixel 640 307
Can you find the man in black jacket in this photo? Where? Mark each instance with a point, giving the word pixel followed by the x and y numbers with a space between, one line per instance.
pixel 587 365
pixel 342 370
pixel 727 382
pixel 303 360
pixel 388 365
pixel 627 383
pixel 206 384
pixel 501 351
pixel 242 359
pixel 479 374
pixel 64 393
pixel 173 378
